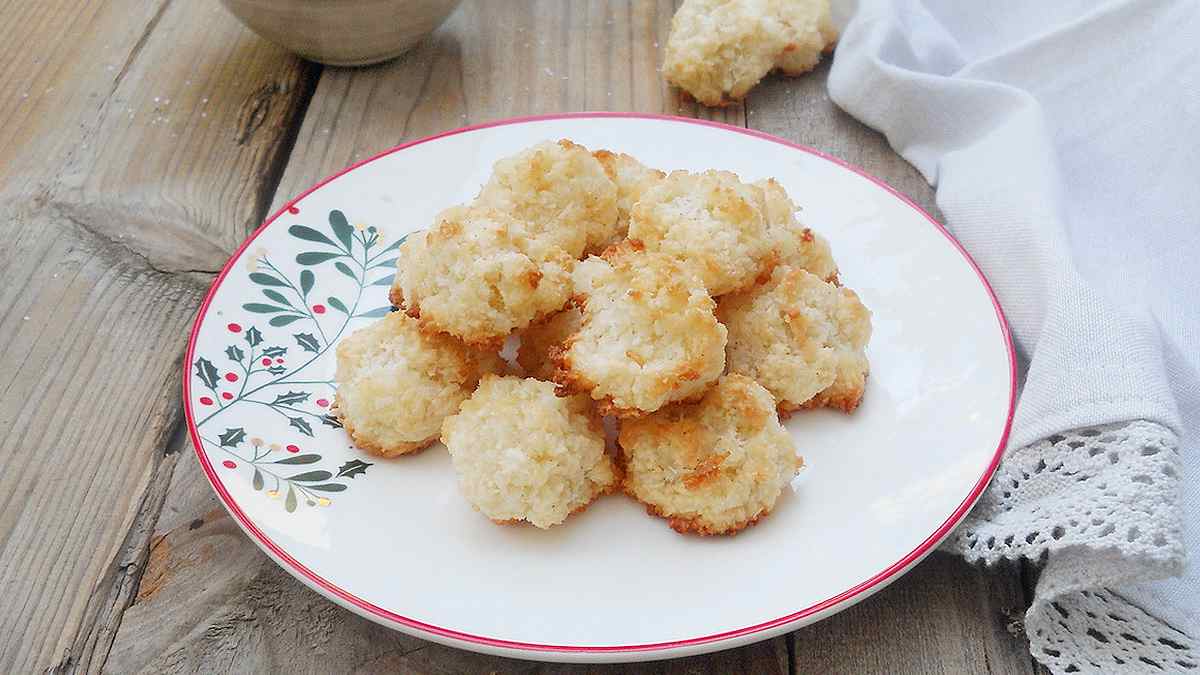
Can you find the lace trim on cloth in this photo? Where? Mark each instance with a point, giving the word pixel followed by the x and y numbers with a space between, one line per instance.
pixel 1100 505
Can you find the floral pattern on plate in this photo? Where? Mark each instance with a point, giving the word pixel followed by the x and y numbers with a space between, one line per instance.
pixel 271 367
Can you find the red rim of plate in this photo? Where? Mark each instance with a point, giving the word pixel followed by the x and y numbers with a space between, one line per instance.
pixel 850 596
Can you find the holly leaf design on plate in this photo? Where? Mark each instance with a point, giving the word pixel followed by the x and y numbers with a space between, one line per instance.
pixel 285 319
pixel 316 257
pixel 274 352
pixel 207 372
pixel 308 234
pixel 310 476
pixel 231 437
pixel 337 304
pixel 345 269
pixel 332 421
pixel 265 279
pixel 276 370
pixel 301 424
pixel 298 459
pixel 341 228
pixel 262 308
pixel 253 337
pixel 306 282
pixel 276 296
pixel 290 398
pixel 308 342
pixel 327 487
pixel 353 468
pixel 235 353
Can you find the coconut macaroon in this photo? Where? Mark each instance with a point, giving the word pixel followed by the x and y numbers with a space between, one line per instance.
pixel 808 32
pixel 560 191
pixel 648 335
pixel 712 222
pixel 632 178
pixel 478 274
pixel 795 244
pixel 541 338
pixel 396 384
pixel 712 467
pixel 522 453
pixel 719 49
pixel 802 338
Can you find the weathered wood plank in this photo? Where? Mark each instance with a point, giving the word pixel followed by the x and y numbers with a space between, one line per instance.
pixel 110 198
pixel 90 371
pixel 799 109
pixel 211 602
pixel 187 153
pixel 59 60
pixel 200 612
pixel 492 60
pixel 942 617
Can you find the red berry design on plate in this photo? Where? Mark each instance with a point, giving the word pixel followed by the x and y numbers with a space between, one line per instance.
pixel 322 402
pixel 227 396
pixel 293 448
pixel 204 400
pixel 234 328
pixel 319 309
pixel 278 360
pixel 232 377
pixel 266 362
pixel 293 210
pixel 228 464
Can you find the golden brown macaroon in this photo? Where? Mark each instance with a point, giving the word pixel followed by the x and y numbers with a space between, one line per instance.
pixel 719 49
pixel 541 338
pixel 795 244
pixel 396 384
pixel 808 32
pixel 712 222
pixel 802 338
pixel 632 178
pixel 560 191
pixel 479 275
pixel 522 453
pixel 712 467
pixel 648 335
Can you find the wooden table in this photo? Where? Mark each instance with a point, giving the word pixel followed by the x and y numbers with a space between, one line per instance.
pixel 140 142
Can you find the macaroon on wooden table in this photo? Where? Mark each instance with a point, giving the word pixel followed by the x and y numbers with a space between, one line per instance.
pixel 140 143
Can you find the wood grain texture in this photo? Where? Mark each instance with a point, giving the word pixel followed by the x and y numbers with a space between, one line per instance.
pixel 59 60
pixel 183 160
pixel 942 617
pixel 124 189
pixel 89 380
pixel 489 61
pixel 116 555
pixel 210 601
pixel 799 109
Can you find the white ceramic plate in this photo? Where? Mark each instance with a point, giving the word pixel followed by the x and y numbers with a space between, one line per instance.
pixel 394 541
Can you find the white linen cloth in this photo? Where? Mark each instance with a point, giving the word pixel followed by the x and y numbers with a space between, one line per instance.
pixel 1064 141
